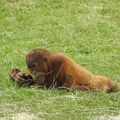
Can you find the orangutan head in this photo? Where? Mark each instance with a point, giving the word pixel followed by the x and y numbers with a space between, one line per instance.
pixel 37 63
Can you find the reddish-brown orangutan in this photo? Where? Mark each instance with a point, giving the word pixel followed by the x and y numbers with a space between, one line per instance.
pixel 55 69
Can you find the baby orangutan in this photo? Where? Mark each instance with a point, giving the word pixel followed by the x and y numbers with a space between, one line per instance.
pixel 55 69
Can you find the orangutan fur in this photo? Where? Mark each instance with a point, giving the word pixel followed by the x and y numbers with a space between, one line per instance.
pixel 55 69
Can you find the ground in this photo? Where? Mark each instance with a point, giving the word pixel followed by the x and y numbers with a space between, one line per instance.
pixel 86 30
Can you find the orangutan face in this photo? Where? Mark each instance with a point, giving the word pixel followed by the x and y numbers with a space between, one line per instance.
pixel 37 65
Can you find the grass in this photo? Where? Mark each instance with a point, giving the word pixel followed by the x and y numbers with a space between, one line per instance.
pixel 86 30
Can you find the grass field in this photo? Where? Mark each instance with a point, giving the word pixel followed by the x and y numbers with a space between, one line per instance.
pixel 86 30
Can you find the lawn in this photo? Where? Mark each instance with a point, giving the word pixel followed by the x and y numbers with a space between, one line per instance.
pixel 86 30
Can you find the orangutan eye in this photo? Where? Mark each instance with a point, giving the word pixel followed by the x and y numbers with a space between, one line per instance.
pixel 33 65
pixel 45 59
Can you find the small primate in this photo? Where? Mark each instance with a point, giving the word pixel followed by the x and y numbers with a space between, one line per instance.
pixel 55 69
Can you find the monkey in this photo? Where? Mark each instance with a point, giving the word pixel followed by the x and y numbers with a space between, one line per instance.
pixel 55 69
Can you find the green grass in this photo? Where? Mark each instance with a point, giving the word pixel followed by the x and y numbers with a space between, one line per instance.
pixel 86 30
